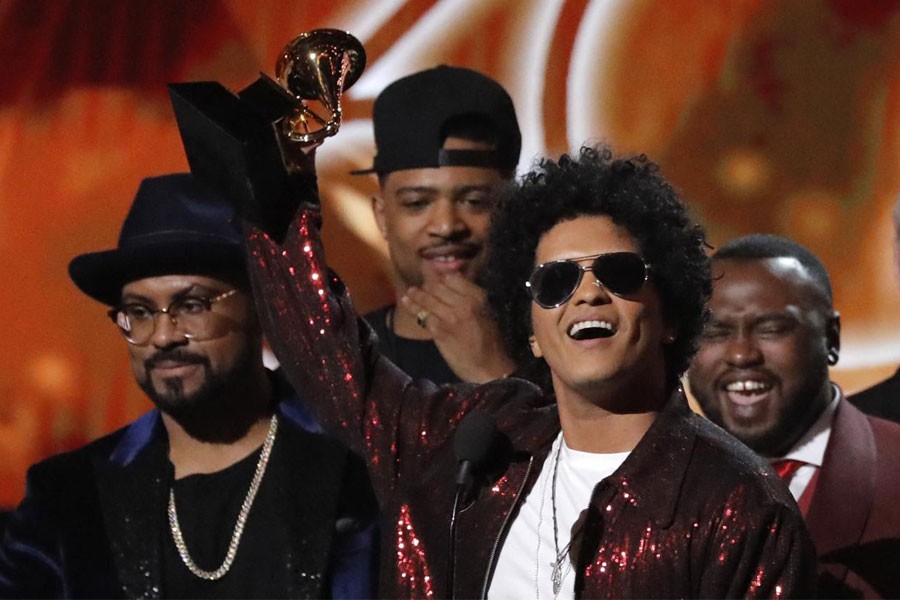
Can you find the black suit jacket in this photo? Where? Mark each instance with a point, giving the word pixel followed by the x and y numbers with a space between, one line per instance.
pixel 880 400
pixel 854 517
pixel 93 520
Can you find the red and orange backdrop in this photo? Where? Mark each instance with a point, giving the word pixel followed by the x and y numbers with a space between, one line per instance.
pixel 769 116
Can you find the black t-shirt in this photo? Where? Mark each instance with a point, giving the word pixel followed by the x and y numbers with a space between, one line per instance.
pixel 420 359
pixel 208 507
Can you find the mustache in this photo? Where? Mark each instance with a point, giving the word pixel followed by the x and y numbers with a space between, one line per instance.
pixel 179 355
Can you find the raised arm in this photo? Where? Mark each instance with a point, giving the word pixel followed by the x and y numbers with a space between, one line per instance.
pixel 309 319
pixel 329 354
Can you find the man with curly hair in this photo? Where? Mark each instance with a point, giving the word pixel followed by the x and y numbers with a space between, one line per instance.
pixel 606 486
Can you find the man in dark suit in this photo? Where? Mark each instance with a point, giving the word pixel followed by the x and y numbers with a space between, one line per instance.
pixel 883 398
pixel 762 373
pixel 223 490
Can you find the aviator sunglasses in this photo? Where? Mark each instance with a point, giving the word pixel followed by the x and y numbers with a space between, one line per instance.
pixel 553 283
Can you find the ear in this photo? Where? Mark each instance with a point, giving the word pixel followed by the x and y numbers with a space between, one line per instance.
pixel 378 213
pixel 535 347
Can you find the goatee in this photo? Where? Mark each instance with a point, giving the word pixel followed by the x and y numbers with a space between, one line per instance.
pixel 214 412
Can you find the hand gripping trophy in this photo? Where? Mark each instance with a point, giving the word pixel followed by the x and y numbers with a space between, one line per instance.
pixel 255 147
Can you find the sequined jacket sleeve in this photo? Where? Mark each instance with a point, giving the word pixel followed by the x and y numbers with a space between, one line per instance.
pixel 758 552
pixel 328 352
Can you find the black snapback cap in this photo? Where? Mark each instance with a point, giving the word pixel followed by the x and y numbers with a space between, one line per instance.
pixel 410 116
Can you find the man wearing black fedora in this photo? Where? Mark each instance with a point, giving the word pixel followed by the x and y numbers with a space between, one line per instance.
pixel 226 488
pixel 446 138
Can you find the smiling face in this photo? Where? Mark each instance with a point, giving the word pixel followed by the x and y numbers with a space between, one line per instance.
pixel 435 221
pixel 598 344
pixel 761 371
pixel 182 375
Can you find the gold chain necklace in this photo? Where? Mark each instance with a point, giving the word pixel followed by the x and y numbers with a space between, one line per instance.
pixel 241 520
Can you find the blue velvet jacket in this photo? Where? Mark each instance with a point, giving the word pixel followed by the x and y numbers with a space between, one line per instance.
pixel 93 521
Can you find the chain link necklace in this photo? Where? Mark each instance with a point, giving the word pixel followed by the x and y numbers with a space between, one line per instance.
pixel 241 520
pixel 557 575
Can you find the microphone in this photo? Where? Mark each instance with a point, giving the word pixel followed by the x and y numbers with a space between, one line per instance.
pixel 472 444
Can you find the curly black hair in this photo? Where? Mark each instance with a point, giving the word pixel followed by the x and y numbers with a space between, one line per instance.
pixel 631 192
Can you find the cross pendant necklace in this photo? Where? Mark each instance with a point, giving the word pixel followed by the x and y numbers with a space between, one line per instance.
pixel 562 556
pixel 556 576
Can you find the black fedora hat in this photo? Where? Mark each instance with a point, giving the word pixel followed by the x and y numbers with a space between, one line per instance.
pixel 176 225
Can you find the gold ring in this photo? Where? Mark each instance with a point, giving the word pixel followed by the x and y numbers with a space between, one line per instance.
pixel 420 318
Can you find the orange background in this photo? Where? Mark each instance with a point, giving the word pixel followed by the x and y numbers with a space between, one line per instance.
pixel 768 115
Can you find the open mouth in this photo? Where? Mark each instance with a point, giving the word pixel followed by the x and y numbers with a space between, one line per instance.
pixel 748 391
pixel 591 330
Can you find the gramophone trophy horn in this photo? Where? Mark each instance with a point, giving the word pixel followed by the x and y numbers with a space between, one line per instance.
pixel 316 67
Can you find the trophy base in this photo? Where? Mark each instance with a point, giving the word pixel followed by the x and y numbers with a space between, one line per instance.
pixel 232 146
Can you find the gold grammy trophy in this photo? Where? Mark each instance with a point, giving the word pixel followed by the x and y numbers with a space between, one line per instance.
pixel 316 67
pixel 252 147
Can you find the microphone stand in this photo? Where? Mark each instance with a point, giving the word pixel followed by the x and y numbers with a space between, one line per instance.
pixel 451 561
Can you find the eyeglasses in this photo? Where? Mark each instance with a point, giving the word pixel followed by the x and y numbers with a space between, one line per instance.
pixel 192 314
pixel 553 283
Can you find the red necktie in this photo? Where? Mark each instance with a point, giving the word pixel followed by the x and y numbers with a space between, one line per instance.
pixel 786 467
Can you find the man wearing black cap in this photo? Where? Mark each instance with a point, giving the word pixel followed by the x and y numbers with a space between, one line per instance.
pixel 223 490
pixel 446 138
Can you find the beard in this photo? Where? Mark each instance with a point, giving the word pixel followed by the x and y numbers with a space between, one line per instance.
pixel 793 420
pixel 213 411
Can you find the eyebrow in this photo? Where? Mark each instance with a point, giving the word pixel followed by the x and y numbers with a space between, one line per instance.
pixel 183 293
pixel 721 318
pixel 422 189
pixel 456 190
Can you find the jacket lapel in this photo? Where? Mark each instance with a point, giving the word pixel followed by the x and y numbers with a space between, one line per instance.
pixel 132 486
pixel 308 478
pixel 665 448
pixel 845 491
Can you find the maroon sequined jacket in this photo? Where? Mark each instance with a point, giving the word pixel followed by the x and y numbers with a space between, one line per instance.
pixel 690 513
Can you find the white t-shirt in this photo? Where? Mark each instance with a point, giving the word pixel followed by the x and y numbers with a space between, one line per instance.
pixel 525 565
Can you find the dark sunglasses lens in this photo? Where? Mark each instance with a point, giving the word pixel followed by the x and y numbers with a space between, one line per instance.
pixel 554 283
pixel 620 272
